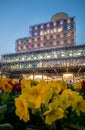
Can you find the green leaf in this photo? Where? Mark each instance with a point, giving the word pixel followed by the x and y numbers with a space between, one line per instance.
pixel 6 126
pixel 2 111
pixel 30 129
pixel 78 127
pixel 5 97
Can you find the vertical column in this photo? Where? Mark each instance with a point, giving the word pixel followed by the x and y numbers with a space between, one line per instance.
pixel 33 76
pixel 42 76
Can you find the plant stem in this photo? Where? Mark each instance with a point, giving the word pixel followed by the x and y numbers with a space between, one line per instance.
pixel 52 127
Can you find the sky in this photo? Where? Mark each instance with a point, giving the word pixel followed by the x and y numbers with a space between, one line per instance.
pixel 16 16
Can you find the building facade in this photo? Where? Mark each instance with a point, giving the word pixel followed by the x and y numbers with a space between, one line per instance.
pixel 50 52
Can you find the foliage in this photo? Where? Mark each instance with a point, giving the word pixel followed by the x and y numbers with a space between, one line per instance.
pixel 33 105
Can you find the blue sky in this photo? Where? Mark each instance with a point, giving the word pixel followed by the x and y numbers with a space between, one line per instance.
pixel 17 15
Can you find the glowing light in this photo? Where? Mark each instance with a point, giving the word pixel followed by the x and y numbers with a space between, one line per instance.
pixel 41 33
pixel 68 76
pixel 54 30
pixel 60 29
pixel 54 23
pixel 61 22
pixel 68 21
pixel 35 39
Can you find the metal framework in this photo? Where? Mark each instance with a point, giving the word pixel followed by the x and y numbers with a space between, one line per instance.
pixel 51 60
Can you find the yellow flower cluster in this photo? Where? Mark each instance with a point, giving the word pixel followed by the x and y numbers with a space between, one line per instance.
pixel 52 99
pixel 4 85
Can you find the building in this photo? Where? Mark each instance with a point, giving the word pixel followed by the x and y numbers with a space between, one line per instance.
pixel 50 52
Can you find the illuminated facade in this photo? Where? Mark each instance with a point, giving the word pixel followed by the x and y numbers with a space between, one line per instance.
pixel 48 53
pixel 57 33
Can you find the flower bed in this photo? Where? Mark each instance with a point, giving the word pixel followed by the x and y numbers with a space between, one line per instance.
pixel 33 105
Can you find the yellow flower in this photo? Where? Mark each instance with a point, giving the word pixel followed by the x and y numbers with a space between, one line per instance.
pixel 54 113
pixel 25 83
pixel 78 104
pixel 22 109
pixel 38 94
pixel 5 85
pixel 77 85
pixel 64 99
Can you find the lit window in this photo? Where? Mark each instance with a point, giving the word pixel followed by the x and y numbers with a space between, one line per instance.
pixel 51 31
pixel 68 21
pixel 68 27
pixel 35 33
pixel 41 38
pixel 19 43
pixel 61 42
pixel 69 41
pixel 61 35
pixel 68 34
pixel 19 48
pixel 30 46
pixel 60 29
pixel 54 30
pixel 54 36
pixel 35 39
pixel 54 43
pixel 30 40
pixel 54 23
pixel 48 25
pixel 48 56
pixel 48 37
pixel 41 44
pixel 30 66
pixel 36 27
pixel 22 58
pixel 62 54
pixel 24 47
pixel 35 45
pixel 61 22
pixel 41 33
pixel 41 26
pixel 48 31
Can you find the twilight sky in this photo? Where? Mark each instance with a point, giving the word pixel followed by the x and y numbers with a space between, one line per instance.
pixel 17 15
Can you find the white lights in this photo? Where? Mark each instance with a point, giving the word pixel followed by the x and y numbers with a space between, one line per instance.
pixel 68 76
